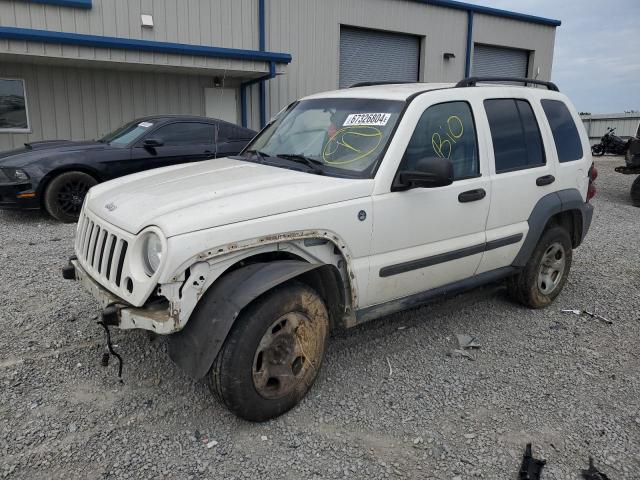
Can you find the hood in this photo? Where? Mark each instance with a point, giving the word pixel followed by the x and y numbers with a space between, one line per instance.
pixel 196 196
pixel 34 151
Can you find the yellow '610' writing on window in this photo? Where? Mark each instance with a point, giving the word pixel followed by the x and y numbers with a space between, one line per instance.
pixel 443 145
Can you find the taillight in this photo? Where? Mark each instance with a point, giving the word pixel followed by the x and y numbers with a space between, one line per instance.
pixel 591 189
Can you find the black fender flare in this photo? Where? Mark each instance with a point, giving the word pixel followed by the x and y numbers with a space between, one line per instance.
pixel 548 206
pixel 196 346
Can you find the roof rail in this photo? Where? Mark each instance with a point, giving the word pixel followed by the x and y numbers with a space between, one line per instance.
pixel 472 81
pixel 373 84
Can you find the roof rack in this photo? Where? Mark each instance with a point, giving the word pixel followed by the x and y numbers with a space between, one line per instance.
pixel 472 81
pixel 373 84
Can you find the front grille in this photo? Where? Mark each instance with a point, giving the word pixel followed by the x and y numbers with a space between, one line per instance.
pixel 101 251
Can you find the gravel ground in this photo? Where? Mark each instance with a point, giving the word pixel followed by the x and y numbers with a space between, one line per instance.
pixel 568 384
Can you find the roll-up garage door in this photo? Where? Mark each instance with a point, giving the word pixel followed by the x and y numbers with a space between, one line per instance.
pixel 499 62
pixel 375 56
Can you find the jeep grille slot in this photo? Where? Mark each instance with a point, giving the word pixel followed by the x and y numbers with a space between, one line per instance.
pixel 101 251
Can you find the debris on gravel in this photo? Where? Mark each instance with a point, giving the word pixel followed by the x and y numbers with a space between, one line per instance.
pixel 389 402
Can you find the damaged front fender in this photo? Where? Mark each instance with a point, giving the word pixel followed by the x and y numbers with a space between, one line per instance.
pixel 196 346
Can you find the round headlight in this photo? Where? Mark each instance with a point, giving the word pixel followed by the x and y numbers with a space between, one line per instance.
pixel 152 253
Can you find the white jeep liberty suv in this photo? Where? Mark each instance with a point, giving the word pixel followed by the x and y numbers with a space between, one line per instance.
pixel 348 205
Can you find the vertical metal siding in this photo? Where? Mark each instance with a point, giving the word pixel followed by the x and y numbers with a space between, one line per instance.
pixel 374 56
pixel 499 61
pixel 220 23
pixel 506 32
pixel 310 31
pixel 79 103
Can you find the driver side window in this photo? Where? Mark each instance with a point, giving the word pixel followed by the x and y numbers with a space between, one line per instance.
pixel 445 130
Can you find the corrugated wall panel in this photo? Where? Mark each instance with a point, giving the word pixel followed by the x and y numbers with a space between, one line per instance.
pixel 517 34
pixel 219 23
pixel 79 103
pixel 309 30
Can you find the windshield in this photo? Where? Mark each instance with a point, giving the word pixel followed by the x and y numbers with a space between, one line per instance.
pixel 128 133
pixel 341 136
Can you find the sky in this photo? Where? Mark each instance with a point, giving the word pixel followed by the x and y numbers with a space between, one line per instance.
pixel 596 59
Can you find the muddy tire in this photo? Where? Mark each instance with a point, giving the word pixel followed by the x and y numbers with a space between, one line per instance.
pixel 635 192
pixel 64 195
pixel 546 272
pixel 273 353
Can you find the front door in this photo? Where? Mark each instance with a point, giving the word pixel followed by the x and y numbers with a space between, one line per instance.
pixel 424 238
pixel 180 142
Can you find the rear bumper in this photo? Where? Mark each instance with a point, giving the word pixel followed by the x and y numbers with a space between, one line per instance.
pixel 115 311
pixel 10 197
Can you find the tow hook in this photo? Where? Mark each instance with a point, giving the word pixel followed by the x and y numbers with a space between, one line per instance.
pixel 109 316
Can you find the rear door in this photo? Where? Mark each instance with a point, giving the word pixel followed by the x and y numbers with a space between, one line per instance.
pixel 181 142
pixel 521 173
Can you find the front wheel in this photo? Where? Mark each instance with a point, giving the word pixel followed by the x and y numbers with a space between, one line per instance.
pixel 545 274
pixel 273 353
pixel 65 194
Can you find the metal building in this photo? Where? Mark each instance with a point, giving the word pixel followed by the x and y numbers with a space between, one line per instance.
pixel 77 69
pixel 625 125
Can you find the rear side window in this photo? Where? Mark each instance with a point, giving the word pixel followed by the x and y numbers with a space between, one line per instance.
pixel 565 133
pixel 185 133
pixel 517 143
pixel 445 130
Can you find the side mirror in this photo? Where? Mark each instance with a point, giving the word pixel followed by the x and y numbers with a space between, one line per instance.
pixel 429 172
pixel 153 142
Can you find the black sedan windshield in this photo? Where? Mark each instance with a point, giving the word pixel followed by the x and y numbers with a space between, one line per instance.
pixel 344 136
pixel 128 133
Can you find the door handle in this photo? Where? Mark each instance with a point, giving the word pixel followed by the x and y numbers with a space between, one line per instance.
pixel 545 180
pixel 472 195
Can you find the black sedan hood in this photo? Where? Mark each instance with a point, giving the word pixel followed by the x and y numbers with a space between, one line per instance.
pixel 34 151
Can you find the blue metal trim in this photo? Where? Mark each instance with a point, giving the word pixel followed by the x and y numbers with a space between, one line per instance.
pixel 262 46
pixel 467 61
pixel 243 96
pixel 496 12
pixel 48 36
pixel 66 3
pixel 261 27
pixel 243 105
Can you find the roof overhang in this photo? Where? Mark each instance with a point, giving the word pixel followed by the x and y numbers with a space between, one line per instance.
pixel 496 12
pixel 97 41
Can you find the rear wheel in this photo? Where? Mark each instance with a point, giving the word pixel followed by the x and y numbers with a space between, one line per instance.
pixel 65 194
pixel 597 149
pixel 545 274
pixel 273 353
pixel 635 192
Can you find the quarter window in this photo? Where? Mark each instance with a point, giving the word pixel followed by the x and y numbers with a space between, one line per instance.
pixel 13 106
pixel 517 143
pixel 565 133
pixel 185 133
pixel 445 130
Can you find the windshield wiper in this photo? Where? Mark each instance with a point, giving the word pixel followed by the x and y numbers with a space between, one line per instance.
pixel 314 165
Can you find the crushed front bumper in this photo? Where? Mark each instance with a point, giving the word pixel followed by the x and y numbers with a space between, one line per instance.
pixel 154 317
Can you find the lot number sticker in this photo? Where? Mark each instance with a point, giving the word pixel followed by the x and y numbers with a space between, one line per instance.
pixel 357 119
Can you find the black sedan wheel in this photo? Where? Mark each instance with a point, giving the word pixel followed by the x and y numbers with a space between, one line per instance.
pixel 64 195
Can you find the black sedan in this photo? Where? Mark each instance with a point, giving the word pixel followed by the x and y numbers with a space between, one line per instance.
pixel 56 174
